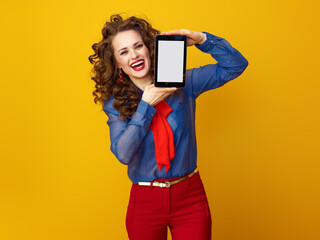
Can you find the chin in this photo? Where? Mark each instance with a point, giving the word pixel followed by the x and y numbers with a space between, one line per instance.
pixel 140 75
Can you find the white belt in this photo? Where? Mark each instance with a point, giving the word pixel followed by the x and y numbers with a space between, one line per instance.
pixel 167 184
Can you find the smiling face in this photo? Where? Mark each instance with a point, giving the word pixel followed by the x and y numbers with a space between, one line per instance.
pixel 131 54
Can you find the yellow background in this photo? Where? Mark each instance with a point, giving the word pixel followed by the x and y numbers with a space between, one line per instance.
pixel 258 136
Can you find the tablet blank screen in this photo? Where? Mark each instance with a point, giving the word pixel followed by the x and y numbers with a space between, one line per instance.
pixel 170 61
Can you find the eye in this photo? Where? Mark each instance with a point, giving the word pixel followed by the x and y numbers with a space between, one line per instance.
pixel 123 52
pixel 140 45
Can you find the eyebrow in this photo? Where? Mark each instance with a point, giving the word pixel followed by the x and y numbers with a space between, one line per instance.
pixel 126 47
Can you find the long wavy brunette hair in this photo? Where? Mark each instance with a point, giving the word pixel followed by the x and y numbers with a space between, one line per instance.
pixel 106 72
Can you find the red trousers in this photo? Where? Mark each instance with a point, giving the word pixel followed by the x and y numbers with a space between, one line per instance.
pixel 183 208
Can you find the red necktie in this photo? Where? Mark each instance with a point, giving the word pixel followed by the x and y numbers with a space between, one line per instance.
pixel 163 135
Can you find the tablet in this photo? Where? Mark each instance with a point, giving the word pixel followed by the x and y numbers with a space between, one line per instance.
pixel 170 60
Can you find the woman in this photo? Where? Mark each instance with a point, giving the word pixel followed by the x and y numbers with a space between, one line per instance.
pixel 152 129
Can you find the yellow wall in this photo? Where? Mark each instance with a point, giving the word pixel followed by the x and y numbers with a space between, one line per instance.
pixel 258 154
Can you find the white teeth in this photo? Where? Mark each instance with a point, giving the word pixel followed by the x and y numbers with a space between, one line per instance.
pixel 137 63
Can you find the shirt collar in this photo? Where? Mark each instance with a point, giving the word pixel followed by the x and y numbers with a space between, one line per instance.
pixel 140 92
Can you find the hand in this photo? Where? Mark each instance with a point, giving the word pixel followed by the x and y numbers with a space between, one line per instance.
pixel 192 37
pixel 153 95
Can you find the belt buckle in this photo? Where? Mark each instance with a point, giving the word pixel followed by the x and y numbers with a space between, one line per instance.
pixel 165 184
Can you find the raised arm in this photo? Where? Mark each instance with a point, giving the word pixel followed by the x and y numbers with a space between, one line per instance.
pixel 230 65
pixel 230 61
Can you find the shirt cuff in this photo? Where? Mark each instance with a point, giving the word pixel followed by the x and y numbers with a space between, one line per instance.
pixel 144 110
pixel 207 45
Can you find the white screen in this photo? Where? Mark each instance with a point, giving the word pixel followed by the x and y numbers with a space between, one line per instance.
pixel 170 61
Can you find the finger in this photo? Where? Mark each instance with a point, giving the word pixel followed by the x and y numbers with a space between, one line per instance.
pixel 176 32
pixel 171 89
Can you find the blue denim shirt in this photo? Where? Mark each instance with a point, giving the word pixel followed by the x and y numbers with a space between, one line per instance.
pixel 132 141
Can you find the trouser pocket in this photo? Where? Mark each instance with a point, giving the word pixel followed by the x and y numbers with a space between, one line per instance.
pixel 205 201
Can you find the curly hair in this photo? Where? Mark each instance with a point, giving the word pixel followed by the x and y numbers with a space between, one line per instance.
pixel 106 73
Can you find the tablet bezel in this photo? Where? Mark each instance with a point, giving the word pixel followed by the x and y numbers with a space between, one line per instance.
pixel 160 37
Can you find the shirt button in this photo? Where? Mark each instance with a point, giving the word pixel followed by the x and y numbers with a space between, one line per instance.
pixel 151 114
pixel 212 41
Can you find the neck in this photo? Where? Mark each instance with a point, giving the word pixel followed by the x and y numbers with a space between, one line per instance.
pixel 142 82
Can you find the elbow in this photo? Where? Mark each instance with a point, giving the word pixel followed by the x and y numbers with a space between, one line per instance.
pixel 237 71
pixel 242 67
pixel 245 65
pixel 120 155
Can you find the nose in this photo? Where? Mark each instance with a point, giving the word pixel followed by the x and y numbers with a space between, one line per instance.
pixel 134 54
